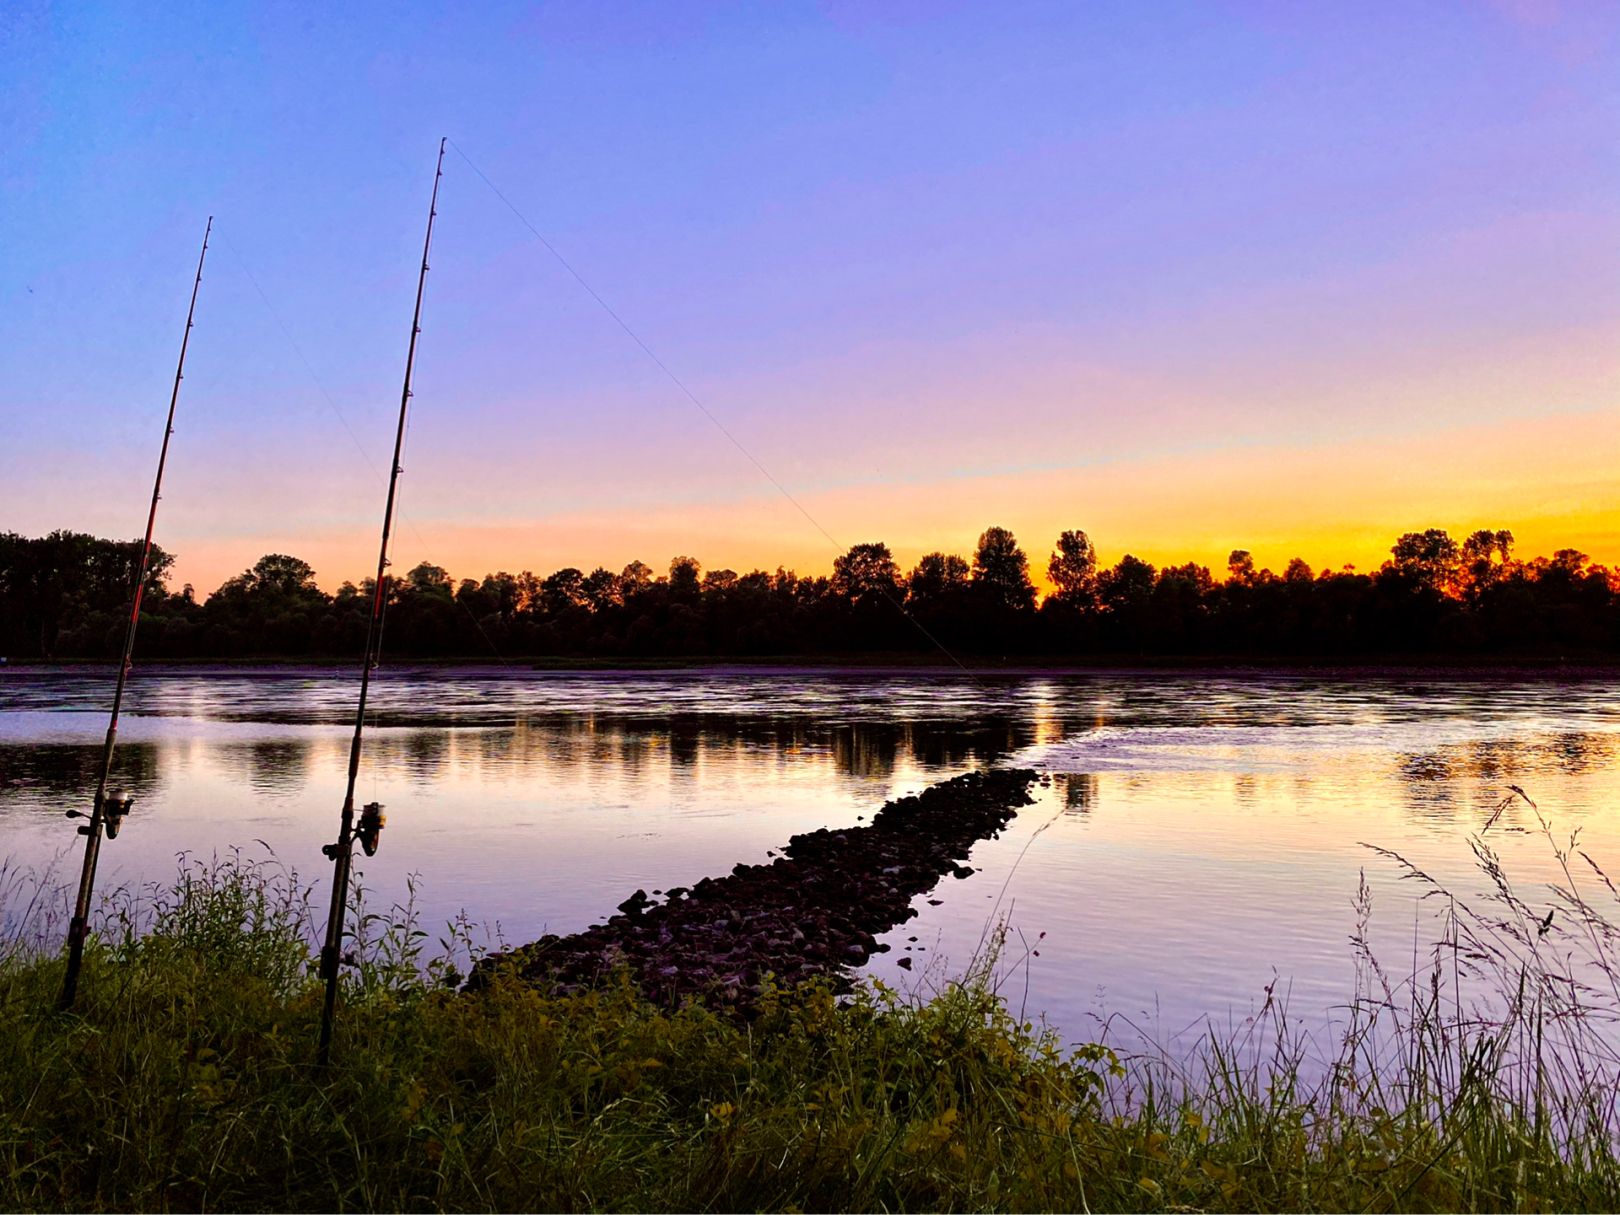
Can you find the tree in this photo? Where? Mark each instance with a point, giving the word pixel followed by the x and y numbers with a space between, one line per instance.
pixel 563 590
pixel 1428 559
pixel 936 577
pixel 56 581
pixel 1484 559
pixel 1570 561
pixel 279 573
pixel 866 574
pixel 1128 585
pixel 1240 567
pixel 504 593
pixel 683 576
pixel 1073 570
pixel 602 589
pixel 1194 577
pixel 429 579
pixel 634 578
pixel 1001 571
pixel 1297 571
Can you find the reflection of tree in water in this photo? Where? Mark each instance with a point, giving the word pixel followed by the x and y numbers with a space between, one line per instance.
pixel 1492 759
pixel 1512 759
pixel 1424 766
pixel 685 738
pixel 951 744
pixel 1575 754
pixel 68 772
pixel 278 768
pixel 864 749
pixel 1079 792
pixel 423 754
pixel 1428 780
pixel 562 742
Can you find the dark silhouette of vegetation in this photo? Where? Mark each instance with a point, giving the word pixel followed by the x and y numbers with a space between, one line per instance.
pixel 65 595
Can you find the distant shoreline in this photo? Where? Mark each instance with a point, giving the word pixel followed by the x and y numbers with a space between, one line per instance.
pixel 872 665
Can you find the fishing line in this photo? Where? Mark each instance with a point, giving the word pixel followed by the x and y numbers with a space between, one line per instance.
pixel 360 447
pixel 693 398
pixel 299 351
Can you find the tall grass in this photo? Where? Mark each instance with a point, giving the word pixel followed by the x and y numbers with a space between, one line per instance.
pixel 185 1079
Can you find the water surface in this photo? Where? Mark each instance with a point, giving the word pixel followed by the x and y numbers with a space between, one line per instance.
pixel 1201 836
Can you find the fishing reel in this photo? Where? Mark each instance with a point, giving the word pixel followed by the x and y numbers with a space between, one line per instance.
pixel 372 821
pixel 114 806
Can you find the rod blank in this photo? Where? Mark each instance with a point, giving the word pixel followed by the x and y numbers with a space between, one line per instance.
pixel 107 812
pixel 342 852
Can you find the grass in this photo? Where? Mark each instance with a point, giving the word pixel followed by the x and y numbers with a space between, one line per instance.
pixel 185 1080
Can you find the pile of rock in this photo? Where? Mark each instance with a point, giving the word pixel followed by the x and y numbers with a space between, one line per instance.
pixel 814 911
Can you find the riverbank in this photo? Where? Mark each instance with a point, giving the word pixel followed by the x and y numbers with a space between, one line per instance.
pixel 874 665
pixel 184 1079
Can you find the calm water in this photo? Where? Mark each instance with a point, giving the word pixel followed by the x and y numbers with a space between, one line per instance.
pixel 1200 838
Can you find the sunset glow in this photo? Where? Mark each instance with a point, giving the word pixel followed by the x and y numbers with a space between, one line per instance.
pixel 1323 282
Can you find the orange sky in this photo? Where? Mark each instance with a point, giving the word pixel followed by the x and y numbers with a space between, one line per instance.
pixel 1551 480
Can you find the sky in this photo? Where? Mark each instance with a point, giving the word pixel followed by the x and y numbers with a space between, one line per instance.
pixel 1190 277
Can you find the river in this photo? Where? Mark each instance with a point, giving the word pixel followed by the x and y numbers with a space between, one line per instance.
pixel 1201 839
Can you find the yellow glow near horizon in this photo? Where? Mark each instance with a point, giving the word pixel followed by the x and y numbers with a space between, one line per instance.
pixel 1552 481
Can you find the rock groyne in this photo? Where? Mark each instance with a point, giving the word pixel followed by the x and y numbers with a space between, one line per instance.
pixel 814 911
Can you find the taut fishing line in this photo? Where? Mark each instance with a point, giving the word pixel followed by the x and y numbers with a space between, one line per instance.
pixel 701 407
pixel 360 447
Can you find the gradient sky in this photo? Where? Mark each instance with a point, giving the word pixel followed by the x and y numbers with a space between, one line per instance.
pixel 1293 278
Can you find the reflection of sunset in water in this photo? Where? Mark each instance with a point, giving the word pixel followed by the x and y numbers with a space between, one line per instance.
pixel 1198 832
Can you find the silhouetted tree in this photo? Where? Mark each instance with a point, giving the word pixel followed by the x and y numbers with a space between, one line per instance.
pixel 635 577
pixel 1177 607
pixel 562 590
pixel 66 595
pixel 1240 567
pixel 601 588
pixel 867 573
pixel 683 577
pixel 936 578
pixel 1001 571
pixel 1125 593
pixel 1073 570
pixel 1485 557
pixel 1428 559
pixel 424 579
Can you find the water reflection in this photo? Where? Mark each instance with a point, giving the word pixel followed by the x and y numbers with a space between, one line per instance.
pixel 52 776
pixel 868 729
pixel 1080 791
pixel 1579 753
pixel 278 768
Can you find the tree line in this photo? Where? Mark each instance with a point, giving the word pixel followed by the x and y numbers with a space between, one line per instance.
pixel 66 595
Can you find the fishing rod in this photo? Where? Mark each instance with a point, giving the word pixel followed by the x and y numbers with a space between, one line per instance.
pixel 108 810
pixel 341 854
